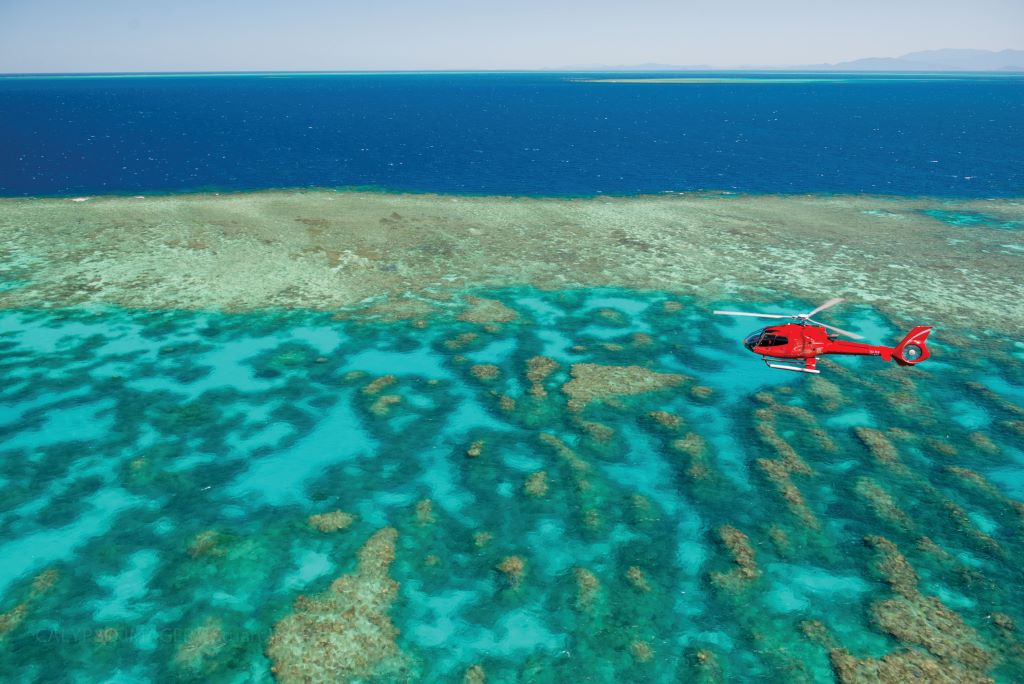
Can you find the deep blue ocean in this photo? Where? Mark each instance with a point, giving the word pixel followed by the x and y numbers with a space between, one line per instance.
pixel 520 134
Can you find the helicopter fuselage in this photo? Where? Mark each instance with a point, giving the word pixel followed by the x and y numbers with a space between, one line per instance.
pixel 806 342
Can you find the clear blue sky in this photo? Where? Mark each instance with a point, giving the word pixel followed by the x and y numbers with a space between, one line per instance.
pixel 214 35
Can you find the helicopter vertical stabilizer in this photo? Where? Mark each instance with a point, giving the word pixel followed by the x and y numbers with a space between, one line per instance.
pixel 912 348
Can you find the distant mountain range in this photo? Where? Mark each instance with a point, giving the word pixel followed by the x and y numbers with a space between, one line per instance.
pixel 925 60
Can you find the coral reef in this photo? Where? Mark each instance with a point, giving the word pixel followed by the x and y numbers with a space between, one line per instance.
pixel 994 398
pixel 556 543
pixel 10 620
pixel 983 443
pixel 513 568
pixel 967 527
pixel 781 540
pixel 669 421
pixel 745 570
pixel 382 404
pixel 897 667
pixel 474 675
pixel 483 311
pixel 882 503
pixel 638 578
pixel 201 644
pixel 591 382
pixel 641 651
pixel 900 667
pixel 778 473
pixel 914 618
pixel 208 543
pixel 706 667
pixel 881 449
pixel 475 449
pixel 379 384
pixel 702 392
pixel 41 585
pixel 331 522
pixel 461 341
pixel 828 394
pixel 485 372
pixel 425 512
pixel 402 309
pixel 345 633
pixel 537 484
pixel 765 428
pixel 587 589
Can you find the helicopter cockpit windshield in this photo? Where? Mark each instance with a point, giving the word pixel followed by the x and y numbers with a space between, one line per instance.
pixel 751 340
pixel 764 338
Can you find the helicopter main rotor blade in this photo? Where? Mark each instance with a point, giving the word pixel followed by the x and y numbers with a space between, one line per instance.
pixel 830 303
pixel 838 330
pixel 757 315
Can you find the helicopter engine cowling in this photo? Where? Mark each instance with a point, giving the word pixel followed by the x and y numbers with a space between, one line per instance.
pixel 912 349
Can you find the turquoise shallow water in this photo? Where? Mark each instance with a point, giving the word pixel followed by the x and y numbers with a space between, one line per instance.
pixel 159 468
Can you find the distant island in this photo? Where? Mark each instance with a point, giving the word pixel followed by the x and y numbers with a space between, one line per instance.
pixel 926 60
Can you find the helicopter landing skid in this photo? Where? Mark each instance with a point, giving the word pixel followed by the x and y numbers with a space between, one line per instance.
pixel 808 366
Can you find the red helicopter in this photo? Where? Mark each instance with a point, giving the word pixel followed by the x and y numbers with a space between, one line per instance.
pixel 797 346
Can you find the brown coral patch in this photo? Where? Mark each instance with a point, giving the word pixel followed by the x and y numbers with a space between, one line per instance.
pixel 538 368
pixel 641 651
pixel 596 431
pixel 995 398
pixel 881 449
pixel 669 421
pixel 882 503
pixel 592 382
pixel 207 543
pixel 537 484
pixel 425 512
pixel 10 620
pixel 900 667
pixel 983 443
pixel 333 521
pixel 778 473
pixel 483 311
pixel 200 644
pixel 702 392
pixel 485 372
pixel 828 394
pixel 513 568
pixel 400 309
pixel 461 341
pixel 587 589
pixel 636 577
pixel 474 675
pixel 345 633
pixel 475 449
pixel 914 618
pixel 738 546
pixel 379 384
pixel 382 404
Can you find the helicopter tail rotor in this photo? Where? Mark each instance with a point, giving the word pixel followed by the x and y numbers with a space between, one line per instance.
pixel 912 349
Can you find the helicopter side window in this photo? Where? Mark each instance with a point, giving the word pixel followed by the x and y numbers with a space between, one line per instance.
pixel 770 340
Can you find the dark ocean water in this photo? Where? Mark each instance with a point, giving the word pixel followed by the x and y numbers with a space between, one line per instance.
pixel 523 134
